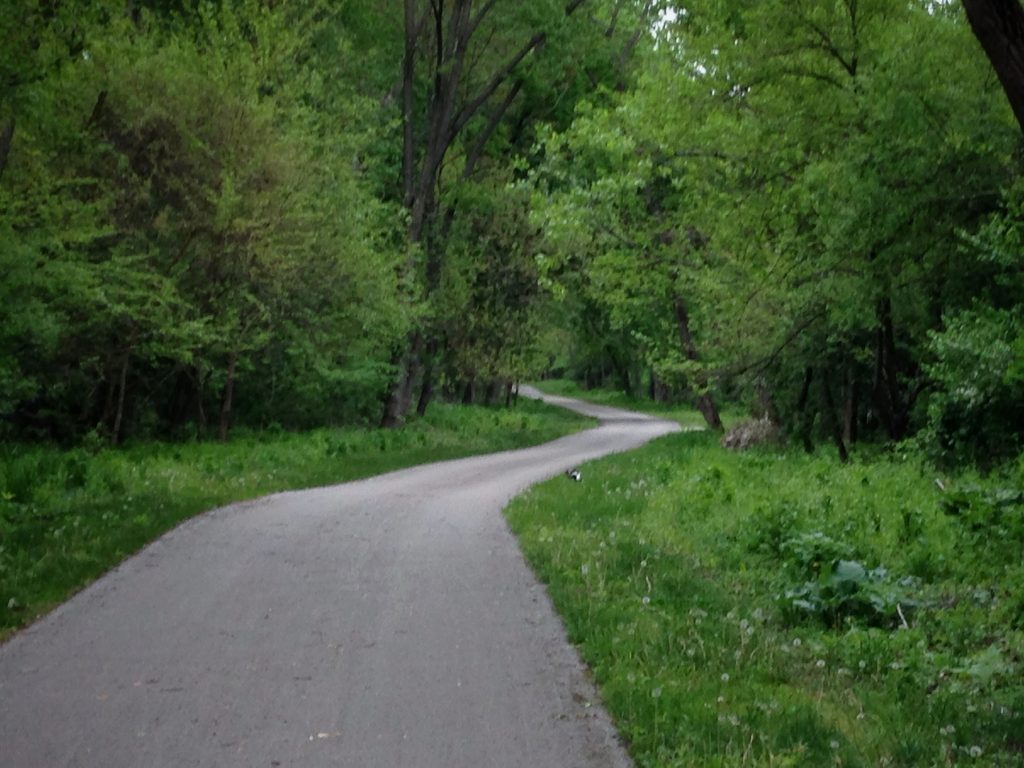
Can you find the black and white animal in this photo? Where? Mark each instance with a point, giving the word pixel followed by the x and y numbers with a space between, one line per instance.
pixel 574 474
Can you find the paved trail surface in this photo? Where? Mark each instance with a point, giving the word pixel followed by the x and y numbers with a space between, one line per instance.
pixel 385 623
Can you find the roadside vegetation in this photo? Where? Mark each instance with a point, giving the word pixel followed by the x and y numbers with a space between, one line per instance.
pixel 776 607
pixel 66 516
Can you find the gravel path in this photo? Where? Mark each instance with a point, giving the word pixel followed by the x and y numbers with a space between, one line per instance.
pixel 384 623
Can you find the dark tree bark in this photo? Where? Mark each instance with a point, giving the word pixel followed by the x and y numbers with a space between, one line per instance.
pixel 6 139
pixel 705 402
pixel 891 404
pixel 805 417
pixel 493 392
pixel 400 393
pixel 201 421
pixel 851 407
pixel 409 102
pixel 831 420
pixel 225 405
pixel 122 389
pixel 426 391
pixel 999 27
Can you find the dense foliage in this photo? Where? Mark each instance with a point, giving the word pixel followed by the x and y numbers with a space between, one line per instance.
pixel 180 211
pixel 309 212
pixel 814 203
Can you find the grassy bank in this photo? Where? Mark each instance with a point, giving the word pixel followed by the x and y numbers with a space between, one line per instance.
pixel 68 516
pixel 783 609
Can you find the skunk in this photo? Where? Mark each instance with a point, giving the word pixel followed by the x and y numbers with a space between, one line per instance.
pixel 574 474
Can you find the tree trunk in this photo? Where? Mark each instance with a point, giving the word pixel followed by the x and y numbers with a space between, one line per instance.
pixel 805 420
pixel 705 403
pixel 115 433
pixel 6 139
pixel 851 407
pixel 426 391
pixel 999 27
pixel 469 393
pixel 400 392
pixel 831 421
pixel 107 418
pixel 201 422
pixel 225 406
pixel 409 102
pixel 493 391
pixel 887 387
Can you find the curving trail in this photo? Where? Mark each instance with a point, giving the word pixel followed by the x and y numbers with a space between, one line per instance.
pixel 383 623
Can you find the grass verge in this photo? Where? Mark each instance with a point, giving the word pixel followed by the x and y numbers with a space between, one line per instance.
pixel 775 608
pixel 68 516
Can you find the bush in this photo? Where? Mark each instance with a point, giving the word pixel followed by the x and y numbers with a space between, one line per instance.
pixel 978 412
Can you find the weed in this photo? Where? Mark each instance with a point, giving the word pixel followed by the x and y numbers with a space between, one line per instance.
pixel 897 639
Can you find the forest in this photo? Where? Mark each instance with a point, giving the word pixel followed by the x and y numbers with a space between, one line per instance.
pixel 307 213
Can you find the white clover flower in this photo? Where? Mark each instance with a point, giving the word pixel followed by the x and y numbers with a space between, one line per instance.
pixel 725 677
pixel 797 642
pixel 646 600
pixel 975 751
pixel 820 663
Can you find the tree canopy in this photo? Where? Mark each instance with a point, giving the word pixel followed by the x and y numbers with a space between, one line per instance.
pixel 297 213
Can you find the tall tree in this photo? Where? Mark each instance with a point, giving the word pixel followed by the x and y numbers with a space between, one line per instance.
pixel 999 27
pixel 465 65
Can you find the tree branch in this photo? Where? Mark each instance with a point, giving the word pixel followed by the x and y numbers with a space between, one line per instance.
pixel 478 149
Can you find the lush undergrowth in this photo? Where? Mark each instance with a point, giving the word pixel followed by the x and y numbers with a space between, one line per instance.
pixel 776 608
pixel 684 414
pixel 68 516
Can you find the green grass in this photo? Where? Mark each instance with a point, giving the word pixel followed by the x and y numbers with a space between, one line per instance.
pixel 745 609
pixel 683 413
pixel 68 516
